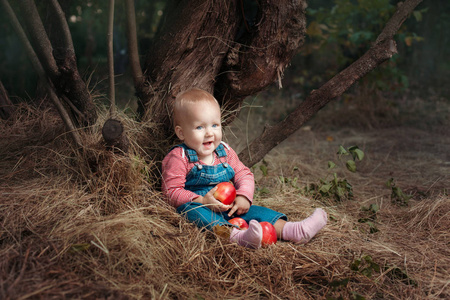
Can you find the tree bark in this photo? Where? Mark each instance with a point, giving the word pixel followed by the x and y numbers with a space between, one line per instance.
pixel 59 63
pixel 41 73
pixel 259 57
pixel 382 50
pixel 188 52
pixel 203 38
pixel 62 39
pixel 136 70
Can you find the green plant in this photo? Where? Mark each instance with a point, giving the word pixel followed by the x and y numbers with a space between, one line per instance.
pixel 365 265
pixel 370 216
pixel 397 195
pixel 337 188
pixel 395 273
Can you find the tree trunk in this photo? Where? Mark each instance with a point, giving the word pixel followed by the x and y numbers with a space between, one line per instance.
pixel 59 61
pixel 223 47
pixel 188 52
pixel 260 55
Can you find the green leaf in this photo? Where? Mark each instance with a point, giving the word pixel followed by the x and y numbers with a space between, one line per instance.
pixel 351 166
pixel 368 258
pixel 390 183
pixel 356 153
pixel 325 188
pixel 355 265
pixel 340 192
pixel 374 207
pixel 331 165
pixel 342 150
pixel 79 247
pixel 417 15
pixel 367 272
pixel 343 282
pixel 263 169
pixel 264 191
pixel 397 273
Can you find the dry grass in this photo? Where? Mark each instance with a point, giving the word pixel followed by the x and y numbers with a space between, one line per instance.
pixel 90 225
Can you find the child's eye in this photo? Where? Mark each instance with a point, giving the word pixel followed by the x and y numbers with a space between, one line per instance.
pixel 215 125
pixel 199 127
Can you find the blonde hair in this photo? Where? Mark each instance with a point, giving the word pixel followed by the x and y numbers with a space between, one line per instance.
pixel 193 95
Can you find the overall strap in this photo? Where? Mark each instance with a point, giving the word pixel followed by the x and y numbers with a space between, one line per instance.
pixel 220 150
pixel 191 154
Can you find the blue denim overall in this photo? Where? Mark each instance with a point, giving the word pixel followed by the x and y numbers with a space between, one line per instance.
pixel 201 179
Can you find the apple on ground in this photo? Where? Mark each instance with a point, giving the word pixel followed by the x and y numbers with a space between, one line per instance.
pixel 241 223
pixel 225 193
pixel 269 234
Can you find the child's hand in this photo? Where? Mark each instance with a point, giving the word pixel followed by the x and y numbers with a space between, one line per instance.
pixel 212 203
pixel 240 206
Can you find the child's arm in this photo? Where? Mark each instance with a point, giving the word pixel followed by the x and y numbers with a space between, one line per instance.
pixel 174 171
pixel 243 180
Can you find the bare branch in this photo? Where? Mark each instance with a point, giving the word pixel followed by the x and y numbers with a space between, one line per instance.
pixel 133 51
pixel 404 9
pixel 64 35
pixel 39 37
pixel 112 94
pixel 381 51
pixel 23 38
pixel 41 73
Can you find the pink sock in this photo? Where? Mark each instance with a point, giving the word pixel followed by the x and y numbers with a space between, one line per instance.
pixel 250 238
pixel 303 231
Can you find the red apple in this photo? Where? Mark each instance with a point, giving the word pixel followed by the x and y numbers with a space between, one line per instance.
pixel 241 223
pixel 225 193
pixel 269 234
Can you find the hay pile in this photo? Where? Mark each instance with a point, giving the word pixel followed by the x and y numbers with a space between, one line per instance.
pixel 92 225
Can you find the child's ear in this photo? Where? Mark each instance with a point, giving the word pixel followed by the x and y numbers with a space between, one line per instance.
pixel 179 132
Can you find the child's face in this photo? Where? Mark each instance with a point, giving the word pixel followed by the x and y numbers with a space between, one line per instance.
pixel 200 128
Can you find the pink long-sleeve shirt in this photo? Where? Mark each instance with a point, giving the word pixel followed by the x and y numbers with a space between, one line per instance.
pixel 176 166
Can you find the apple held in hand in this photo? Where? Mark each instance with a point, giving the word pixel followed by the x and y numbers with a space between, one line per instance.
pixel 269 234
pixel 225 193
pixel 241 223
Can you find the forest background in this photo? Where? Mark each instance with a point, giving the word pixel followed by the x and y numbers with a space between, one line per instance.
pixel 387 236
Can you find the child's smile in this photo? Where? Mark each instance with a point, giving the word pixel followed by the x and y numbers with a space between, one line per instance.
pixel 208 144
